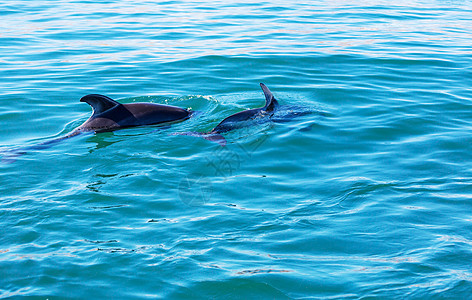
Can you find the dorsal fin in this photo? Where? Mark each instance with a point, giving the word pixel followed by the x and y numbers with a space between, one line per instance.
pixel 99 103
pixel 271 102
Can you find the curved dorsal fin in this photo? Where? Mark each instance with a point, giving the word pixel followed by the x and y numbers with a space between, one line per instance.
pixel 271 102
pixel 99 103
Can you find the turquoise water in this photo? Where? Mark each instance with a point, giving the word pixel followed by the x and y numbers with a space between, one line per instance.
pixel 367 196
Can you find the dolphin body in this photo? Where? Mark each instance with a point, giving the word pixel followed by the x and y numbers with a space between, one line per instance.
pixel 239 119
pixel 109 115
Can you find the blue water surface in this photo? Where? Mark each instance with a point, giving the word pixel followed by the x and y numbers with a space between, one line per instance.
pixel 366 194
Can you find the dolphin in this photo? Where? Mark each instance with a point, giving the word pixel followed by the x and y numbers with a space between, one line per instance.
pixel 109 115
pixel 239 119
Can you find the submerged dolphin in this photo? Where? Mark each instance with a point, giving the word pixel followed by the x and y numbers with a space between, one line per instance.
pixel 109 115
pixel 239 119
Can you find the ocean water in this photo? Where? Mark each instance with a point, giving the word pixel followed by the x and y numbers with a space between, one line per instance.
pixel 368 195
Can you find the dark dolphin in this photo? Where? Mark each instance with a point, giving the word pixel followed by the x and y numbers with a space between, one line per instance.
pixel 109 115
pixel 240 119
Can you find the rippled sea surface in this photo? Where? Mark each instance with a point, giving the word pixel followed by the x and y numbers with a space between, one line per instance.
pixel 368 193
